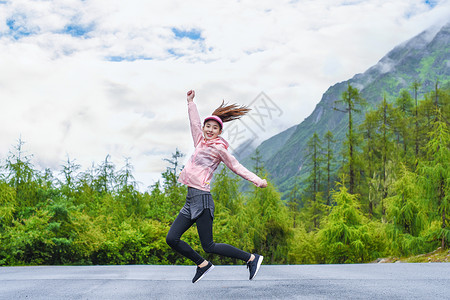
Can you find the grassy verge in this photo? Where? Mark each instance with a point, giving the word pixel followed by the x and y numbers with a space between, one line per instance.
pixel 438 255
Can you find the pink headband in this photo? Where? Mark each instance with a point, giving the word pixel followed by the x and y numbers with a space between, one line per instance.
pixel 215 118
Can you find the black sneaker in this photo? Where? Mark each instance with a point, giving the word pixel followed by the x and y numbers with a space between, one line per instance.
pixel 202 271
pixel 254 265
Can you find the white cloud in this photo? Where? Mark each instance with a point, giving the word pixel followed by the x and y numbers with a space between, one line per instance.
pixel 91 78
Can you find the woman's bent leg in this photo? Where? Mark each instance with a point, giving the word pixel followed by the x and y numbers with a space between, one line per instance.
pixel 204 227
pixel 179 226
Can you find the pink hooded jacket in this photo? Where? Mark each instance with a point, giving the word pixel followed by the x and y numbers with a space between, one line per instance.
pixel 207 156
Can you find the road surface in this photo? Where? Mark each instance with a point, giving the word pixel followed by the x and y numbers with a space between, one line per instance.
pixel 357 281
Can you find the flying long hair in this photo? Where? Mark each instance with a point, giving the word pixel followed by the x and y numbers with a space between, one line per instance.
pixel 231 112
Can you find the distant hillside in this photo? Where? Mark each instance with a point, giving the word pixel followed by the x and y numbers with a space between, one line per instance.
pixel 425 58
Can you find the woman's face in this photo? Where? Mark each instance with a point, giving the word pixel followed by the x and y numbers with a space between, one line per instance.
pixel 211 129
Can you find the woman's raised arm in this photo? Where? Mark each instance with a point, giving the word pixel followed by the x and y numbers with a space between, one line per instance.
pixel 194 118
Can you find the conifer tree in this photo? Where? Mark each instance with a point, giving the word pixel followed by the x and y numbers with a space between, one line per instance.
pixel 313 209
pixel 268 218
pixel 345 236
pixel 225 191
pixel 127 189
pixel 105 179
pixel 174 161
pixel 314 162
pixel 294 203
pixel 8 205
pixel 386 147
pixel 70 176
pixel 405 212
pixel 258 164
pixel 369 130
pixel 329 161
pixel 174 191
pixel 404 107
pixel 69 171
pixel 415 86
pixel 231 217
pixel 20 175
pixel 268 223
pixel 351 100
pixel 435 171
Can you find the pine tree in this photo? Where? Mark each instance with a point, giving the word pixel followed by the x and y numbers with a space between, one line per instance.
pixel 174 191
pixel 405 210
pixel 8 205
pixel 69 171
pixel 269 224
pixel 105 176
pixel 386 147
pixel 20 175
pixel 314 162
pixel 127 189
pixel 435 171
pixel 258 165
pixel 231 217
pixel 345 236
pixel 225 191
pixel 415 86
pixel 433 102
pixel 174 161
pixel 329 164
pixel 351 100
pixel 313 209
pixel 294 203
pixel 369 130
pixel 404 113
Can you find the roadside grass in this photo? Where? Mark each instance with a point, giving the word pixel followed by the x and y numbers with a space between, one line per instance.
pixel 438 255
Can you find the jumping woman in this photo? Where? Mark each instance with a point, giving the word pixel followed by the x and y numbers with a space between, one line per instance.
pixel 210 150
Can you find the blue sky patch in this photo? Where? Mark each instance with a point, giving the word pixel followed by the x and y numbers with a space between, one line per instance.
pixel 18 28
pixel 175 52
pixel 76 30
pixel 193 34
pixel 118 58
pixel 431 3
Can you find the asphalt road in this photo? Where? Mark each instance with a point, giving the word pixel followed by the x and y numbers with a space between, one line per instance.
pixel 358 281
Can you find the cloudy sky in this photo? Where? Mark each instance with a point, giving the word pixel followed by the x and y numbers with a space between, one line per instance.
pixel 88 78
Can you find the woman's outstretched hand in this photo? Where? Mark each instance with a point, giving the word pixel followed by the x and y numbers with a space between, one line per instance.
pixel 264 184
pixel 190 95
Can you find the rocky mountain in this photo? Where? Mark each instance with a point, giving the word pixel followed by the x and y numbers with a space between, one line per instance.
pixel 425 57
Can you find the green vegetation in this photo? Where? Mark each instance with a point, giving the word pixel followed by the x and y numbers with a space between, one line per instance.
pixel 399 205
pixel 100 217
pixel 419 59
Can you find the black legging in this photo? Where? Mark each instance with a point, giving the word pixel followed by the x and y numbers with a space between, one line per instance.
pixel 204 228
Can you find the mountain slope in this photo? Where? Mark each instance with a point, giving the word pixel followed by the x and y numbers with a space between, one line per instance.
pixel 425 58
